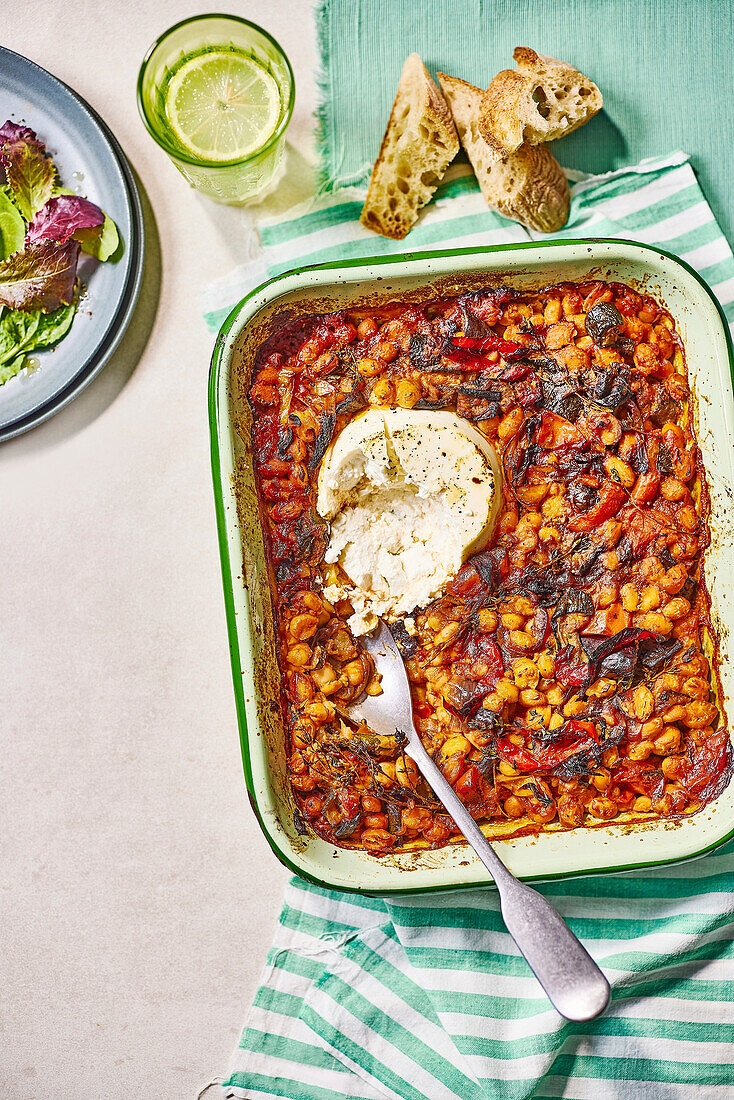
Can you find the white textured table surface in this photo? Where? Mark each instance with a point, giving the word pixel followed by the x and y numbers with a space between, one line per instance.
pixel 138 897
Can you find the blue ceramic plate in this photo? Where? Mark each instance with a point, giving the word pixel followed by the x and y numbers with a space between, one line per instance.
pixel 89 161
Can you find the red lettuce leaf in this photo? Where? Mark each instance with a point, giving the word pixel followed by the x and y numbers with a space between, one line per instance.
pixel 12 131
pixel 61 217
pixel 40 277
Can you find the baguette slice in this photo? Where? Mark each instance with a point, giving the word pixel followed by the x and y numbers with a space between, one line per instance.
pixel 544 100
pixel 419 144
pixel 528 186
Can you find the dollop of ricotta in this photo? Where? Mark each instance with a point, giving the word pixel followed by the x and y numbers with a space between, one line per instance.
pixel 409 495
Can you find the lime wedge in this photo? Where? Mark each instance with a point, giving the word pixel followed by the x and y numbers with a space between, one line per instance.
pixel 222 106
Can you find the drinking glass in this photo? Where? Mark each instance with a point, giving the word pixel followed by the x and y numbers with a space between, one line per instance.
pixel 212 40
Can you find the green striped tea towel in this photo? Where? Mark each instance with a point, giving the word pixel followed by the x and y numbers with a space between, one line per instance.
pixel 428 998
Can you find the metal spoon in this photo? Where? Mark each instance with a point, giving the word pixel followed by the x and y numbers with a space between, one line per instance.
pixel 566 971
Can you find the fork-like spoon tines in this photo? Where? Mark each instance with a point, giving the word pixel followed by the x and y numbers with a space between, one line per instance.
pixel 573 982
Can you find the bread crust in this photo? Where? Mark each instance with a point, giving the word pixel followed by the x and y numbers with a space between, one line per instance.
pixel 543 100
pixel 527 186
pixel 419 143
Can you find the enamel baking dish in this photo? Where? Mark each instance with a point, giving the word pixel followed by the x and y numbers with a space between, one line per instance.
pixel 418 276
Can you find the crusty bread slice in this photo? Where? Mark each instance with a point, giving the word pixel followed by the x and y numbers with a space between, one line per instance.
pixel 419 144
pixel 528 186
pixel 544 100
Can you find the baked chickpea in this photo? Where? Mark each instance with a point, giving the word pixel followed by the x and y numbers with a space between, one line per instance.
pixel 640 750
pixel 303 626
pixel 510 423
pixel 406 772
pixel 570 811
pixel 649 598
pixel 658 624
pixel 529 697
pixel 676 609
pixel 366 328
pixel 525 673
pixel 407 392
pixel 673 489
pixel 381 392
pixel 488 620
pixel 507 691
pixel 629 596
pixel 386 351
pixel 298 655
pixel 511 621
pixel 668 741
pixel 620 471
pixel 369 368
pixel 643 703
pixel 674 579
pixel 446 634
pixel 604 808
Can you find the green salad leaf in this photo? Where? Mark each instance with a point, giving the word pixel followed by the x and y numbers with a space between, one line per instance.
pixel 12 226
pixel 31 175
pixel 9 370
pixel 100 242
pixel 52 326
pixel 21 333
pixel 16 333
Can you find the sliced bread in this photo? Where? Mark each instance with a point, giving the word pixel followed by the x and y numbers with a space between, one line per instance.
pixel 544 100
pixel 528 186
pixel 419 144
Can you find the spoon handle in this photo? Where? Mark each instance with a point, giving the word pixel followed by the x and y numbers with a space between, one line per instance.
pixel 573 982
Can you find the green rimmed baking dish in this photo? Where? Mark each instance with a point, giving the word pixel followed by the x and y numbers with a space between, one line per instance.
pixel 417 276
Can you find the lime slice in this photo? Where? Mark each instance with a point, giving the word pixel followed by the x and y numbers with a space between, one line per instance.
pixel 222 105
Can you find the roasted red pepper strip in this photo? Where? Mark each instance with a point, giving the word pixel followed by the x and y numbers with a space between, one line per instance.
pixel 487 343
pixel 578 737
pixel 709 768
pixel 611 497
pixel 572 670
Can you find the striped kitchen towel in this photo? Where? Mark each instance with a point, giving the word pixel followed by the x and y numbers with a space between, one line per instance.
pixel 428 998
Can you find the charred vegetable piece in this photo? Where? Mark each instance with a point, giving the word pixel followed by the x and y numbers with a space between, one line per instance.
pixel 640 777
pixel 433 405
pixel 407 644
pixel 322 441
pixel 491 565
pixel 616 657
pixel 350 403
pixel 285 438
pixel 572 603
pixel 664 461
pixel 423 353
pixel 562 399
pixel 347 827
pixel 604 324
pixel 575 738
pixel 609 388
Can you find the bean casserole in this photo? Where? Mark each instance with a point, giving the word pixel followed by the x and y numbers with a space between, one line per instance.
pixel 566 675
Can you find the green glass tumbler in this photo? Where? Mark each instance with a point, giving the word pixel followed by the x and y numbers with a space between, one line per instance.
pixel 242 178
